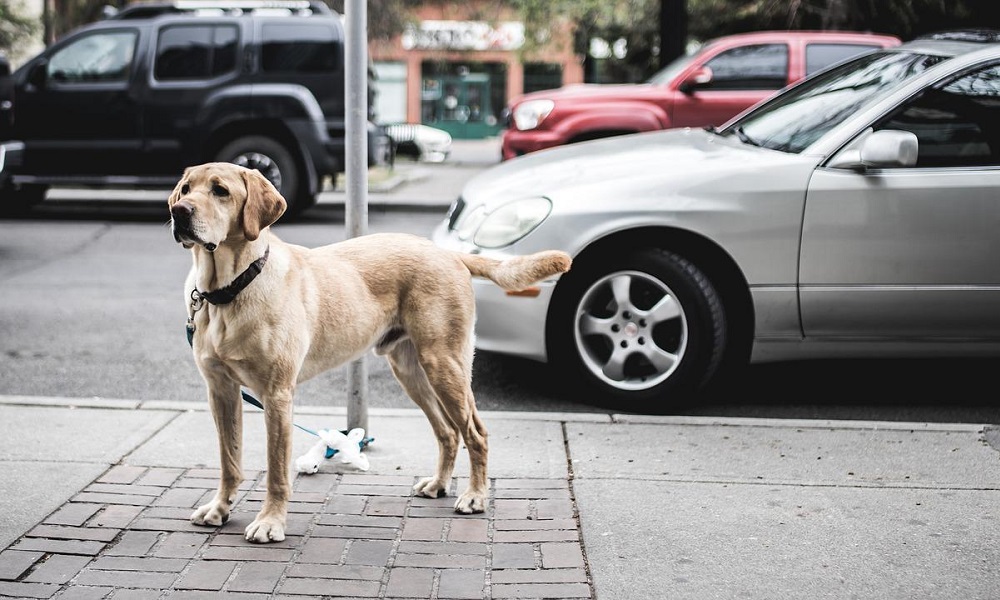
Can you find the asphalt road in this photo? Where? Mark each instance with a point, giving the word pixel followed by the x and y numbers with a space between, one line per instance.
pixel 91 306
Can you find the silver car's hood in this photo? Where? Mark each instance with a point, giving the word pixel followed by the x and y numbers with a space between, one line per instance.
pixel 665 161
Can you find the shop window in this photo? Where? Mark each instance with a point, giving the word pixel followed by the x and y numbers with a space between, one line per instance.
pixel 542 76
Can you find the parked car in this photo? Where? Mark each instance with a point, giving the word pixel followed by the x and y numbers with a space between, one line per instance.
pixel 134 99
pixel 419 142
pixel 854 214
pixel 708 87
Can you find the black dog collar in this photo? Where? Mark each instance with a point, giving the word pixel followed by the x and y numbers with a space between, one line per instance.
pixel 228 294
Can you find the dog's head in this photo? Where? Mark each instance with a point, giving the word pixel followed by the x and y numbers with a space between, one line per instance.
pixel 215 202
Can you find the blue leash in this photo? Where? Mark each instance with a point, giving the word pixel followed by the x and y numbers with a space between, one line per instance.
pixel 249 399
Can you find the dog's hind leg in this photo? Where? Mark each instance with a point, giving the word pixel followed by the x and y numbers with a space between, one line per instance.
pixel 224 400
pixel 446 397
pixel 410 374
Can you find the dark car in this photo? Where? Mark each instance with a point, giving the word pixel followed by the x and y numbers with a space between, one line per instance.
pixel 134 99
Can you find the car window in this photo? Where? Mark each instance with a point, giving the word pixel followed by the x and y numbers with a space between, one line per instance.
pixel 102 56
pixel 299 49
pixel 192 52
pixel 757 67
pixel 792 121
pixel 822 55
pixel 956 124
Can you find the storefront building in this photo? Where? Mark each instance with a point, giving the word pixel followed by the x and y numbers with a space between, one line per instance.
pixel 457 73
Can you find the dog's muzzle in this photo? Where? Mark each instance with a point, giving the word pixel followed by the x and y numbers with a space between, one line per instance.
pixel 180 219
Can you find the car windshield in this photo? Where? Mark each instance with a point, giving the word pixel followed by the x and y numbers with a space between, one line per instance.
pixel 792 121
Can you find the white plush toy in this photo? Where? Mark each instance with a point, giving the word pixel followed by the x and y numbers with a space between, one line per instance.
pixel 348 449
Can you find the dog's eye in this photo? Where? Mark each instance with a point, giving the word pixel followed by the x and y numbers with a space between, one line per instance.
pixel 185 189
pixel 218 190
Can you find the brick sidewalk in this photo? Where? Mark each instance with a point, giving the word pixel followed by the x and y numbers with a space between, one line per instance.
pixel 127 536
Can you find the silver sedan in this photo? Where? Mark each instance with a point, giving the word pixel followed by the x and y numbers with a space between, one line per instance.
pixel 854 214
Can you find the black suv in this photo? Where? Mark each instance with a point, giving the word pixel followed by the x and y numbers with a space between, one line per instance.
pixel 134 99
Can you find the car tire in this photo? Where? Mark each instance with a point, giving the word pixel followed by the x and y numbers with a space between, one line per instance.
pixel 645 332
pixel 276 163
pixel 17 200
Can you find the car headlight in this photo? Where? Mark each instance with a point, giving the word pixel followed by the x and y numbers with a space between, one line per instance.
pixel 530 114
pixel 503 225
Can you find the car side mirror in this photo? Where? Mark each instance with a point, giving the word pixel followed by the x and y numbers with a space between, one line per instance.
pixel 887 148
pixel 36 76
pixel 700 77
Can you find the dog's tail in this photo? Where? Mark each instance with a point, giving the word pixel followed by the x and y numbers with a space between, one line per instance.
pixel 518 272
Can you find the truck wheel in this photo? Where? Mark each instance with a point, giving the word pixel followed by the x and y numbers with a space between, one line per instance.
pixel 275 162
pixel 16 200
pixel 643 332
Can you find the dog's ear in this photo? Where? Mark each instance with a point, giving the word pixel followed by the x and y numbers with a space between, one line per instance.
pixel 263 206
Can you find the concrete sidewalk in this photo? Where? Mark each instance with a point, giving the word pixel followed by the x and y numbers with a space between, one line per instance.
pixel 95 496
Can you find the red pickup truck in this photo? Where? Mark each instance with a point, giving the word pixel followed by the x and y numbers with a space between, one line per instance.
pixel 723 78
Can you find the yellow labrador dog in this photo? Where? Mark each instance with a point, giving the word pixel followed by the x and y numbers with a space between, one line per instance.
pixel 268 315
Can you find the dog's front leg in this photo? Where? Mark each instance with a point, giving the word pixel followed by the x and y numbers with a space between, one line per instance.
pixel 269 526
pixel 224 400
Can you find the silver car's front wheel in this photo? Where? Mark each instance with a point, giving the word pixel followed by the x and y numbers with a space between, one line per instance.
pixel 644 332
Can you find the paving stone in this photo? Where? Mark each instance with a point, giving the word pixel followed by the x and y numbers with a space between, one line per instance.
pixel 554 509
pixel 348 505
pixel 374 490
pixel 134 543
pixel 410 583
pixel 429 530
pixel 61 532
pixel 365 533
pixel 206 575
pixel 555 555
pixel 469 530
pixel 442 548
pixel 17 589
pixel 116 516
pixel 131 563
pixel 374 478
pixel 360 521
pixel 179 544
pixel 115 488
pixel 14 563
pixel 512 509
pixel 85 592
pixel 122 474
pixel 137 579
pixel 74 514
pixel 328 571
pixel 105 498
pixel 317 482
pixel 86 548
pixel 461 583
pixel 160 477
pixel 532 494
pixel 58 568
pixel 237 539
pixel 257 577
pixel 513 556
pixel 541 590
pixel 531 484
pixel 541 535
pixel 322 550
pixel 386 506
pixel 374 553
pixel 534 524
pixel 185 497
pixel 441 561
pixel 205 595
pixel 136 595
pixel 248 552
pixel 538 576
pixel 154 524
pixel 331 587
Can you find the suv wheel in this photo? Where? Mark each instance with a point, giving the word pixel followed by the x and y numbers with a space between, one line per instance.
pixel 646 331
pixel 275 162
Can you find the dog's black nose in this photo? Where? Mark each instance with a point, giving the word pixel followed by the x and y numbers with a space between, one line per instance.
pixel 181 212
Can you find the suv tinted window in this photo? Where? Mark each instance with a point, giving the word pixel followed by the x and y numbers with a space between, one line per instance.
pixel 821 56
pixel 195 52
pixel 299 49
pixel 957 125
pixel 759 67
pixel 103 56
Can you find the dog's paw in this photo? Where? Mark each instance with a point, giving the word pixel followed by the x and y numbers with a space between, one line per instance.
pixel 265 529
pixel 430 487
pixel 471 502
pixel 213 514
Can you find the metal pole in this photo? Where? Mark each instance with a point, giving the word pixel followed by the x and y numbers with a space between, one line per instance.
pixel 356 173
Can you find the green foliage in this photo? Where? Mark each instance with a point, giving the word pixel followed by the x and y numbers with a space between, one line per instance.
pixel 15 27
